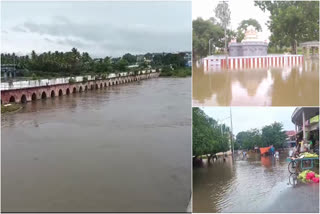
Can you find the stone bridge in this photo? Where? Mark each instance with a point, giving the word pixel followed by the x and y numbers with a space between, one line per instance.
pixel 23 95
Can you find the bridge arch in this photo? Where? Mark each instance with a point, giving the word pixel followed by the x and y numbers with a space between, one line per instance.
pixel 52 94
pixel 86 88
pixel 67 91
pixel 74 90
pixel 12 99
pixel 97 86
pixel 116 82
pixel 23 98
pixel 105 84
pixel 80 89
pixel 101 85
pixel 33 97
pixel 60 92
pixel 43 95
pixel 91 86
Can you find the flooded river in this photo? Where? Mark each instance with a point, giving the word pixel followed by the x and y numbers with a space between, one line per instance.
pixel 286 86
pixel 125 148
pixel 253 184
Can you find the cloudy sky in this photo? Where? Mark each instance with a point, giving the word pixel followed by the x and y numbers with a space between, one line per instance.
pixel 246 118
pixel 100 28
pixel 240 10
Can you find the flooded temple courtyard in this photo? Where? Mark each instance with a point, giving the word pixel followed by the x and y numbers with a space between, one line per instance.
pixel 276 86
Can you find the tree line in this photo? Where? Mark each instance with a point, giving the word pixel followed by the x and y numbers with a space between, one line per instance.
pixel 208 136
pixel 212 30
pixel 72 63
pixel 269 135
pixel 290 23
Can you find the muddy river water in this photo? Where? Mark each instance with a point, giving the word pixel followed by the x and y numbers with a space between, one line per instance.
pixel 125 148
pixel 252 184
pixel 283 86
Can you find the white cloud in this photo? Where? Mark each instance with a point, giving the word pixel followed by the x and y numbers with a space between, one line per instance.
pixel 100 28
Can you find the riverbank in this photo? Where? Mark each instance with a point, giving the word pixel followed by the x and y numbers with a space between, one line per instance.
pixel 179 72
pixel 12 107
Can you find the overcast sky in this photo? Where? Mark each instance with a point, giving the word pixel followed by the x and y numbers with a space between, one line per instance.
pixel 100 28
pixel 246 118
pixel 240 10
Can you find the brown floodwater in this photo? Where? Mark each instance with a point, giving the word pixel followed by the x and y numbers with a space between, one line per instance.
pixel 125 148
pixel 286 86
pixel 253 184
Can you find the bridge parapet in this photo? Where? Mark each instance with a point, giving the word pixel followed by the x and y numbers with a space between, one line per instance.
pixel 56 81
pixel 22 95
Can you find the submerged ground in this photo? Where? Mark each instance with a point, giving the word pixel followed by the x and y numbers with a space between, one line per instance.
pixel 253 184
pixel 283 86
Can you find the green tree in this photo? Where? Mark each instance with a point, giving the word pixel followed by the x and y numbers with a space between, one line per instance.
pixel 208 137
pixel 248 139
pixel 121 65
pixel 243 27
pixel 203 31
pixel 131 59
pixel 223 13
pixel 273 135
pixel 292 22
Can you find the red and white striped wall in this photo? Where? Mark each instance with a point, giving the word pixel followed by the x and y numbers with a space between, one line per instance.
pixel 252 62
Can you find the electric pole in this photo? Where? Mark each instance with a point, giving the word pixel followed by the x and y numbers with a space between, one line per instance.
pixel 232 144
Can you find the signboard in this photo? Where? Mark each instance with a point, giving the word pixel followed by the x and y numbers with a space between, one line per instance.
pixel 314 119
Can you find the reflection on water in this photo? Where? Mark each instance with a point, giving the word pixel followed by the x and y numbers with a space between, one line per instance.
pixel 240 185
pixel 125 148
pixel 286 86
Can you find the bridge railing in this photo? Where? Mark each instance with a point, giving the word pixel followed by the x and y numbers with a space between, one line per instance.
pixel 56 81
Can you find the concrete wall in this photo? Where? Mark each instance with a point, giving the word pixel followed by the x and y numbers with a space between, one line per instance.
pixel 248 49
pixel 34 93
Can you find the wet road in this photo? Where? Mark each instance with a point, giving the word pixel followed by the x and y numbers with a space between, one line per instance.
pixel 287 86
pixel 125 148
pixel 255 184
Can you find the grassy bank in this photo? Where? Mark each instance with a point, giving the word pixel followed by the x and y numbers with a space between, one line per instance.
pixel 10 108
pixel 179 72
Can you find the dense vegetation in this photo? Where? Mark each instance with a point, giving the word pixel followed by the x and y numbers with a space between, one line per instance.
pixel 177 72
pixel 291 22
pixel 72 63
pixel 269 135
pixel 211 29
pixel 208 137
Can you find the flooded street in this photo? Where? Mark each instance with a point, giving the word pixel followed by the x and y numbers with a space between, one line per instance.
pixel 120 149
pixel 286 86
pixel 253 184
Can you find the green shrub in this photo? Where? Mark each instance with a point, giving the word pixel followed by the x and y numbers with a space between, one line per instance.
pixel 72 80
pixel 85 79
pixel 34 76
